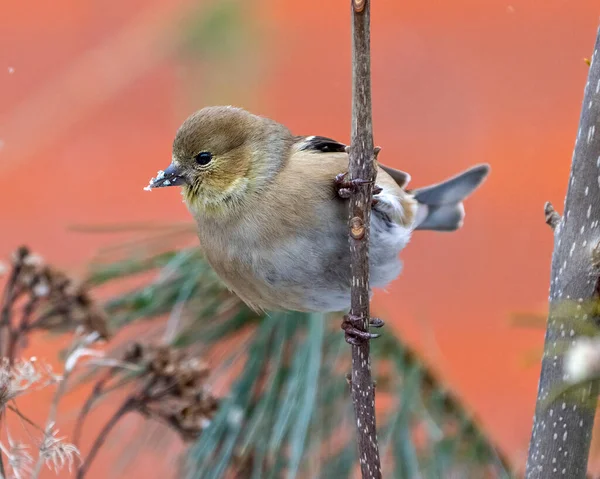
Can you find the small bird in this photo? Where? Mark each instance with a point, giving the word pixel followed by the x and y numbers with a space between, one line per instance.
pixel 272 213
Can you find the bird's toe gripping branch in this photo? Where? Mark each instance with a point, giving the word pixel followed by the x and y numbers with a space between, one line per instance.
pixel 346 187
pixel 353 334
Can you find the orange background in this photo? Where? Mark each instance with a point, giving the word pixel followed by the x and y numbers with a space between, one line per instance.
pixel 98 89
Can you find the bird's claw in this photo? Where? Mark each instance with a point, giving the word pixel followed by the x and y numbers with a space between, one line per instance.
pixel 345 187
pixel 356 336
pixel 376 323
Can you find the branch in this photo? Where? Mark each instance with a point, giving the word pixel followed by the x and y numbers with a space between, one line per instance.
pixel 562 428
pixel 362 167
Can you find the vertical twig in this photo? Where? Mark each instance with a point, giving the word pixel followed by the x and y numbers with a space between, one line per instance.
pixel 361 158
pixel 562 429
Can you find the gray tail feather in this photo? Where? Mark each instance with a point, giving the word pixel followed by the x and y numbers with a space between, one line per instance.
pixel 440 206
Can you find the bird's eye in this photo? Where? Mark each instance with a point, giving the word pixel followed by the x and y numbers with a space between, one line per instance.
pixel 203 158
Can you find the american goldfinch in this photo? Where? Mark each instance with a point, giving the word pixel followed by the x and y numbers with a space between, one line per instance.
pixel 271 214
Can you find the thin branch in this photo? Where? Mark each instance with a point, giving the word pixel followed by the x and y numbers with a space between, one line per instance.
pixel 362 167
pixel 562 427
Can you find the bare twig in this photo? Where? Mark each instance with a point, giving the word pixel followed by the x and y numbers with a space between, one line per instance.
pixel 562 428
pixel 552 217
pixel 362 166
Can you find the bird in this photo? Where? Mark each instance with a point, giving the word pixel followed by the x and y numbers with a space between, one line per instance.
pixel 271 210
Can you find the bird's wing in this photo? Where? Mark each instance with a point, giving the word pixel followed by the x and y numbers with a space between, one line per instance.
pixel 327 145
pixel 320 143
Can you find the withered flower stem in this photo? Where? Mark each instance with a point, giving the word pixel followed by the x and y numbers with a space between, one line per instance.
pixel 60 391
pixel 8 299
pixel 15 333
pixel 128 405
pixel 87 406
pixel 16 410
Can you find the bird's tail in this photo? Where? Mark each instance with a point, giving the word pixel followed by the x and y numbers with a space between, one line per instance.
pixel 440 206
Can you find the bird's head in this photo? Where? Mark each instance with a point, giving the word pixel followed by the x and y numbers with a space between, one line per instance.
pixel 219 155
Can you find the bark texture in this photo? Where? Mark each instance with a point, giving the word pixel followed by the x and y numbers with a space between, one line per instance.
pixel 562 428
pixel 362 167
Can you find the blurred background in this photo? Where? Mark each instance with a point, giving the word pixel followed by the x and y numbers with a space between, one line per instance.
pixel 93 92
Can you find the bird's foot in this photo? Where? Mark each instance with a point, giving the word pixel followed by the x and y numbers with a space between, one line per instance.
pixel 356 336
pixel 345 187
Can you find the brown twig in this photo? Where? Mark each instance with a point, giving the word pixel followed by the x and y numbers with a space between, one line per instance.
pixel 127 406
pixel 562 428
pixel 362 166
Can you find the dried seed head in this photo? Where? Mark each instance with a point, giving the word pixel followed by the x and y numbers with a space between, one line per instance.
pixel 19 378
pixel 66 304
pixel 19 255
pixel 57 453
pixel 19 459
pixel 73 306
pixel 41 288
pixel 134 353
pixel 179 395
pixel 33 260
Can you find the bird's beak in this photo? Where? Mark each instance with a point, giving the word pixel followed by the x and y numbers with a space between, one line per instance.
pixel 172 176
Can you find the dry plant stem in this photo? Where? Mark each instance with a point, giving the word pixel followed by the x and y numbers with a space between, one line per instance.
pixel 60 391
pixel 15 333
pixel 8 300
pixel 23 417
pixel 362 166
pixel 95 394
pixel 562 429
pixel 126 407
pixel 2 471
